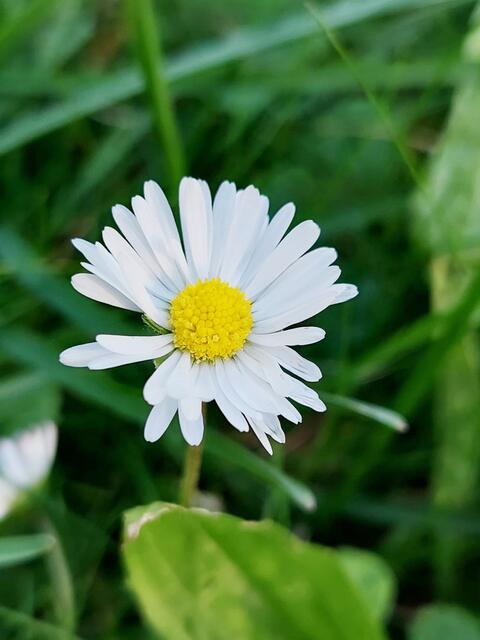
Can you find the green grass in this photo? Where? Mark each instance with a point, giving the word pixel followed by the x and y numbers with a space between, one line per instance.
pixel 365 115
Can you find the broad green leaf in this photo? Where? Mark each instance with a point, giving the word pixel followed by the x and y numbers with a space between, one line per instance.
pixel 373 578
pixel 379 414
pixel 122 400
pixel 444 622
pixel 17 549
pixel 202 575
pixel 125 84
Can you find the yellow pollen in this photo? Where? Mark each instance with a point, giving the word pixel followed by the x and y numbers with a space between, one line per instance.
pixel 210 319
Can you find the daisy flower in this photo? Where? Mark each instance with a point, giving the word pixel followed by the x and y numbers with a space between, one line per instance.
pixel 25 461
pixel 220 300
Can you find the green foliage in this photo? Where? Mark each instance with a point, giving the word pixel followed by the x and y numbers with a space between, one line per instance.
pixel 17 549
pixel 27 399
pixel 374 580
pixel 447 225
pixel 260 96
pixel 444 622
pixel 238 579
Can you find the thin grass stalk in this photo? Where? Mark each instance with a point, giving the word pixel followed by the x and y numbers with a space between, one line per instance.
pixel 145 27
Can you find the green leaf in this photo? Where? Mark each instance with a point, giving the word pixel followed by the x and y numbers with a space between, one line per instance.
pixel 379 414
pixel 17 549
pixel 444 622
pixel 373 578
pixel 203 575
pixel 125 84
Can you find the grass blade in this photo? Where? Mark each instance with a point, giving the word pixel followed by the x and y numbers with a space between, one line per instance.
pixel 29 269
pixel 31 627
pixel 13 31
pixel 382 415
pixel 18 549
pixel 122 85
pixel 146 33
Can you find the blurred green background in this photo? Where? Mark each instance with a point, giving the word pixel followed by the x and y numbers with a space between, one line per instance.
pixel 366 114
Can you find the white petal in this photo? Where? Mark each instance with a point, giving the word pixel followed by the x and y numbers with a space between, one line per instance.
pixel 301 282
pixel 197 226
pixel 231 413
pixel 345 292
pixel 50 438
pixel 36 447
pixel 159 419
pixel 297 336
pixel 155 197
pixel 272 426
pixel 135 345
pixel 102 263
pixel 262 379
pixel 257 392
pixel 190 407
pixel 181 381
pixel 283 383
pixel 294 245
pixel 155 388
pixel 317 303
pixel 121 251
pixel 12 465
pixel 257 397
pixel 261 436
pixel 223 208
pixel 271 237
pixel 93 287
pixel 231 393
pixel 309 400
pixel 131 229
pixel 110 360
pixel 192 430
pixel 82 354
pixel 248 225
pixel 297 364
pixel 205 387
pixel 133 277
pixel 151 221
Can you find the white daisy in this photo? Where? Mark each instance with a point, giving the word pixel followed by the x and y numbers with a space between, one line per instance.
pixel 25 461
pixel 220 303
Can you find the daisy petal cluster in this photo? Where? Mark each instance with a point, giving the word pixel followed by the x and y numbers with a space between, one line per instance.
pixel 222 298
pixel 25 461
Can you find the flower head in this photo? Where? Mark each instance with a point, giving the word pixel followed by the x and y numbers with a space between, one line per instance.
pixel 25 461
pixel 221 303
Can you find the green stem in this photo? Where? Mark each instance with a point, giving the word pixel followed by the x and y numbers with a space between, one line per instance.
pixel 191 471
pixel 61 579
pixel 149 51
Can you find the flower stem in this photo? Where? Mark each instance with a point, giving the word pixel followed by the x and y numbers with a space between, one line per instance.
pixel 149 51
pixel 191 470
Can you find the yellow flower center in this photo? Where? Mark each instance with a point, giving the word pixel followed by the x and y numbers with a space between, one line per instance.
pixel 210 319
